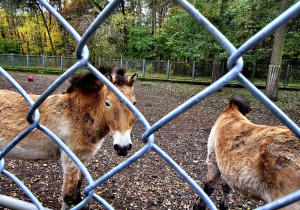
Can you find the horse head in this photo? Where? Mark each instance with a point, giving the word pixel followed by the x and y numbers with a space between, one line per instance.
pixel 118 116
pixel 102 110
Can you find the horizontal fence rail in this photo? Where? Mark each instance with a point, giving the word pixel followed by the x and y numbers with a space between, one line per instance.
pixel 233 70
pixel 173 70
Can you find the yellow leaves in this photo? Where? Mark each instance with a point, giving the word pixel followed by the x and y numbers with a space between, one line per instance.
pixel 3 20
pixel 175 10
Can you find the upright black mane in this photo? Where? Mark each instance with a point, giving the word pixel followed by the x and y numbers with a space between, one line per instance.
pixel 90 83
pixel 120 76
pixel 241 103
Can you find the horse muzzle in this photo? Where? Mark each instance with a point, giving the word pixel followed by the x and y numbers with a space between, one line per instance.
pixel 122 143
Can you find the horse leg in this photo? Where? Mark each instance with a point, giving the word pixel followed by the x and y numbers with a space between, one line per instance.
pixel 213 177
pixel 72 180
pixel 226 189
pixel 78 197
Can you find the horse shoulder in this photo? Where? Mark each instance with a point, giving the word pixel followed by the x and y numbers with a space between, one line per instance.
pixel 80 116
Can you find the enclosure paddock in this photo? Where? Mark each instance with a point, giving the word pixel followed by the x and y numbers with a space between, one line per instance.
pixel 235 64
pixel 258 161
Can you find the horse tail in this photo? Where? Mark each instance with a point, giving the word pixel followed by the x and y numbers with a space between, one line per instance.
pixel 241 103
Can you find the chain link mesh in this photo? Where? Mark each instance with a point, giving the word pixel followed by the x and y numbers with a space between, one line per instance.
pixel 234 65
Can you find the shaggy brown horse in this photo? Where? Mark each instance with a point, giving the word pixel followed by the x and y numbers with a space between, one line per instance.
pixel 257 161
pixel 81 117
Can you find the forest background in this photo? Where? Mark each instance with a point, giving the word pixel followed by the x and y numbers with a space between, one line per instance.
pixel 149 29
pixel 153 30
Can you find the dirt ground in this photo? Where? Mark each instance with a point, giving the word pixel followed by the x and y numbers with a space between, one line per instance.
pixel 149 183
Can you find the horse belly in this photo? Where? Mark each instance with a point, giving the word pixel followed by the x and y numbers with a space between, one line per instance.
pixel 238 169
pixel 246 182
pixel 33 147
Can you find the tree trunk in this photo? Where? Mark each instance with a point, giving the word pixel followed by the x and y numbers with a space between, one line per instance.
pixel 123 7
pixel 273 82
pixel 274 71
pixel 68 49
pixel 47 29
pixel 216 67
pixel 39 38
pixel 217 62
pixel 154 16
pixel 139 11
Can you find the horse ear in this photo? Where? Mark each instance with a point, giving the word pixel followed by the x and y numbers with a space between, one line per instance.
pixel 109 77
pixel 133 79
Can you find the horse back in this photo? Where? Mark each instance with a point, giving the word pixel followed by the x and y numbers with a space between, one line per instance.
pixel 258 161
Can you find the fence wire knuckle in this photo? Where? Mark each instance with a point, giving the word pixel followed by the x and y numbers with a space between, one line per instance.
pixel 234 65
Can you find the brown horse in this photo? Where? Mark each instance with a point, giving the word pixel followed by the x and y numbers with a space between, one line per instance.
pixel 257 161
pixel 81 117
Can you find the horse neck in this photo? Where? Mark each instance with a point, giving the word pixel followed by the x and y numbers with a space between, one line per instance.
pixel 87 110
pixel 232 114
pixel 84 104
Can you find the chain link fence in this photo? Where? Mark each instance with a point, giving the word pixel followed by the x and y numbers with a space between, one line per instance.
pixel 234 66
pixel 189 71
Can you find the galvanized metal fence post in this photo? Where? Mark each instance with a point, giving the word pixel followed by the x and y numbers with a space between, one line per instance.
pixel 144 67
pixel 193 76
pixel 253 73
pixel 287 76
pixel 44 63
pixel 168 69
pixel 12 60
pixel 61 65
pixel 27 61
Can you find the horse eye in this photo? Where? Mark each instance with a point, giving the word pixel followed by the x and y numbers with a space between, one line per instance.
pixel 107 104
pixel 134 103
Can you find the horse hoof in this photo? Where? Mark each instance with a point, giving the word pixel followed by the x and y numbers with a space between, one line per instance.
pixel 85 208
pixel 223 206
pixel 199 206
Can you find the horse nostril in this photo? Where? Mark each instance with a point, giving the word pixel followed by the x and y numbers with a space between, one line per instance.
pixel 117 148
pixel 129 147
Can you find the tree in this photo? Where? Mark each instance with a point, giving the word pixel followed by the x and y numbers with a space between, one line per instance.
pixel 32 26
pixel 9 47
pixel 47 29
pixel 140 43
pixel 273 78
pixel 216 73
